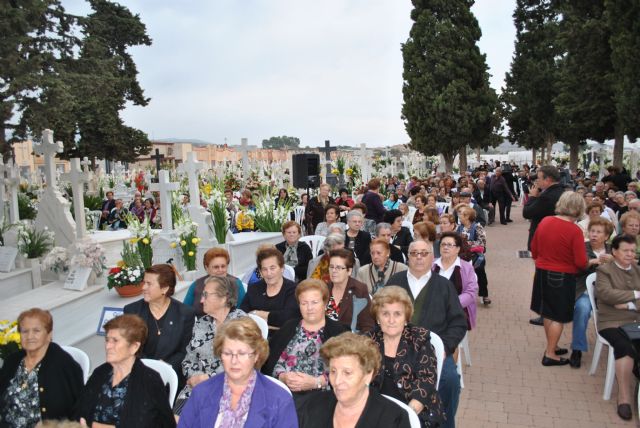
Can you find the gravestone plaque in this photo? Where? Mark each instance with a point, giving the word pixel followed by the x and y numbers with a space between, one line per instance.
pixel 78 278
pixel 8 258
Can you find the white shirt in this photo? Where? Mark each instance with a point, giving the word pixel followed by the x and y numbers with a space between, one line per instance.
pixel 417 284
pixel 447 273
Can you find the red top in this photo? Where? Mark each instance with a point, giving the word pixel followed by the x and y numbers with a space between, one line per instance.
pixel 558 246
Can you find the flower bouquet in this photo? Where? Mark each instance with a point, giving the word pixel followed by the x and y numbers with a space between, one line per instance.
pixel 57 260
pixel 245 220
pixel 268 216
pixel 33 243
pixel 141 237
pixel 188 241
pixel 89 254
pixel 127 276
pixel 9 338
pixel 219 214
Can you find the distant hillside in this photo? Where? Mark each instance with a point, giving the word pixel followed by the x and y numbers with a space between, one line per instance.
pixel 185 141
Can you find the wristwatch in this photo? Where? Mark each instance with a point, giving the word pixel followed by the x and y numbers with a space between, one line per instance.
pixel 319 382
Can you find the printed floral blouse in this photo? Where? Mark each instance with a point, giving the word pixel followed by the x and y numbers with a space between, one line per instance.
pixel 22 399
pixel 302 354
pixel 110 402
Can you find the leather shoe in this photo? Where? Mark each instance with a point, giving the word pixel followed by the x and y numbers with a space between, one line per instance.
pixel 575 359
pixel 546 361
pixel 624 411
pixel 504 222
pixel 536 321
pixel 562 351
pixel 509 220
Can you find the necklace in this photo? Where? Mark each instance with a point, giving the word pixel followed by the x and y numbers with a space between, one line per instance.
pixel 156 320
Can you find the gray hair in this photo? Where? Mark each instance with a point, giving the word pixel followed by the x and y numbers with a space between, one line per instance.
pixel 331 240
pixel 413 244
pixel 225 288
pixel 354 213
pixel 381 226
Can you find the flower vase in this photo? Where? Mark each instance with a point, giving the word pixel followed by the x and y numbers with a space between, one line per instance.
pixel 36 274
pixel 130 290
pixel 190 275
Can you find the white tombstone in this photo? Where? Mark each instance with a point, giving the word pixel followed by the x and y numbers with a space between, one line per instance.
pixel 12 183
pixel 244 150
pixel 197 212
pixel 78 178
pixel 162 251
pixel 364 163
pixel 53 209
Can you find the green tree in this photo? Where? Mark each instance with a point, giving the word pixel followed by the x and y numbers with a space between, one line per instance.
pixel 531 83
pixel 283 142
pixel 448 103
pixel 105 80
pixel 35 49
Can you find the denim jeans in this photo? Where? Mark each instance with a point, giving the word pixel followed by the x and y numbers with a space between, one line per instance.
pixel 449 390
pixel 581 315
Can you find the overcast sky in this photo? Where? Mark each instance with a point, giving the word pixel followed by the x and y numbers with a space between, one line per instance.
pixel 316 70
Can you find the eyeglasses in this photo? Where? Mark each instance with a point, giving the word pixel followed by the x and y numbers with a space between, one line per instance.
pixel 419 253
pixel 447 245
pixel 333 267
pixel 241 356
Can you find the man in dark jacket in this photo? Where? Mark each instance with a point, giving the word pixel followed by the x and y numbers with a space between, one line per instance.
pixel 482 195
pixel 438 309
pixel 501 194
pixel 543 196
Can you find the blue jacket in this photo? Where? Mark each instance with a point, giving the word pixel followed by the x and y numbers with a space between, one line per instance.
pixel 271 405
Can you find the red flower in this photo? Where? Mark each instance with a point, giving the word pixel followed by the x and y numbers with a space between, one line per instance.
pixel 114 270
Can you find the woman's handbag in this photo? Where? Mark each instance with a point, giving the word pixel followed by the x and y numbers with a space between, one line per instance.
pixel 631 331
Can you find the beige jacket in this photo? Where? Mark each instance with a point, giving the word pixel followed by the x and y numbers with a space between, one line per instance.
pixel 614 286
pixel 367 273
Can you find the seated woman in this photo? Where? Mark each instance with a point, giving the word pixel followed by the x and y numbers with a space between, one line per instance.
pixel 344 202
pixel 123 392
pixel 294 355
pixel 331 217
pixel 598 253
pixel 218 300
pixel 630 225
pixel 353 361
pixel 297 254
pixel 421 206
pixel 392 202
pixel 273 297
pixel 356 239
pixel 319 266
pixel 216 262
pixel 432 201
pixel 149 210
pixel 425 231
pixel 314 212
pixel 449 265
pixel 41 381
pixel 376 274
pixel 409 364
pixel 169 322
pixel 400 235
pixel 348 298
pixel 383 231
pixel 476 238
pixel 618 292
pixel 594 211
pixel 240 396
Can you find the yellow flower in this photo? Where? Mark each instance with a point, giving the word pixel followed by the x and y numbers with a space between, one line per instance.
pixel 191 253
pixel 195 240
pixel 120 264
pixel 173 245
pixel 145 241
pixel 3 340
pixel 14 337
pixel 183 242
pixel 335 171
pixel 133 240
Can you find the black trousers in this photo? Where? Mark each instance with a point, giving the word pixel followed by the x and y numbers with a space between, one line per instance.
pixel 502 208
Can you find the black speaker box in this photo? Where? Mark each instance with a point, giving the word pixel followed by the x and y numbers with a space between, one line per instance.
pixel 306 170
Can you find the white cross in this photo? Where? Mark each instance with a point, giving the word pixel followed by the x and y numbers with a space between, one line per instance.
pixel 244 149
pixel 85 164
pixel 13 183
pixel 364 161
pixel 165 187
pixel 77 178
pixel 191 167
pixel 48 149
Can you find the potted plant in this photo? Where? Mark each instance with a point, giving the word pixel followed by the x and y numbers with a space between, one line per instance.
pixel 188 240
pixel 126 278
pixel 32 243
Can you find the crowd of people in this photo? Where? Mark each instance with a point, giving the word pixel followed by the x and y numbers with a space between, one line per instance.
pixel 398 270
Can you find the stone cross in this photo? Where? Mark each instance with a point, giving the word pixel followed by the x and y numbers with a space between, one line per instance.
pixel 165 187
pixel 48 148
pixel 244 149
pixel 158 158
pixel 77 178
pixel 364 162
pixel 327 149
pixel 191 167
pixel 12 182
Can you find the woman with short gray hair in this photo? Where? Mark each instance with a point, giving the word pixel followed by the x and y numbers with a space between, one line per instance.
pixel 319 266
pixel 219 300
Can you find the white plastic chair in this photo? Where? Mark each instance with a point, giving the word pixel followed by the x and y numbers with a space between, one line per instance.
pixel 408 225
pixel 81 358
pixel 315 242
pixel 279 383
pixel 414 420
pixel 412 212
pixel 264 327
pixel 167 374
pixel 438 348
pixel 611 362
pixel 444 206
pixel 464 347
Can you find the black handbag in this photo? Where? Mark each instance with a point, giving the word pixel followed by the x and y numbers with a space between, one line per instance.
pixel 631 331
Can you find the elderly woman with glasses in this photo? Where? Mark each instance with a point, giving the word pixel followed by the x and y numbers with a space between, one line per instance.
pixel 357 239
pixel 459 272
pixel 319 266
pixel 348 298
pixel 294 355
pixel 241 396
pixel 218 300
pixel 409 363
pixel 297 254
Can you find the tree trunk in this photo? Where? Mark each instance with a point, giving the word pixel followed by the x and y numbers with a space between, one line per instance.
pixel 534 154
pixel 478 154
pixel 618 147
pixel 543 150
pixel 551 140
pixel 574 155
pixel 448 161
pixel 463 159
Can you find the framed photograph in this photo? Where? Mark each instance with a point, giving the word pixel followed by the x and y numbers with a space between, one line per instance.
pixel 107 315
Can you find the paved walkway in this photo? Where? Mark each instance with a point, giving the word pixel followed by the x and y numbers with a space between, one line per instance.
pixel 507 386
